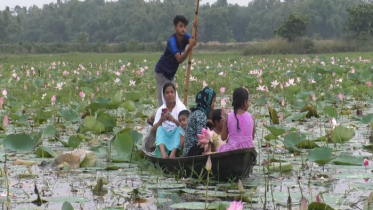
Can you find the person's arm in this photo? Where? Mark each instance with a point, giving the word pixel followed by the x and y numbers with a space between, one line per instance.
pixel 159 122
pixel 173 153
pixel 163 151
pixel 254 129
pixel 224 131
pixel 172 119
pixel 181 58
pixel 182 141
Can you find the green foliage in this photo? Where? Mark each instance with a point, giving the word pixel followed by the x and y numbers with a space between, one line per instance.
pixel 360 20
pixel 293 27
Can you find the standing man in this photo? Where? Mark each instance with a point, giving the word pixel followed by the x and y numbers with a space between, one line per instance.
pixel 173 55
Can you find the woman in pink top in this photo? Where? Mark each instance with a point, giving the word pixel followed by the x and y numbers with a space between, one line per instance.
pixel 240 125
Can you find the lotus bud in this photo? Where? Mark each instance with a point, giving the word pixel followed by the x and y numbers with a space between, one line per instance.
pixel 240 186
pixel 208 164
pixel 1 102
pixel 313 97
pixel 6 120
pixel 318 199
pixel 366 162
pixel 303 205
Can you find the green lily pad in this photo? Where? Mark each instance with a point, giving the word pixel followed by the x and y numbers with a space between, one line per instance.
pixel 331 112
pixel 129 106
pixel 92 124
pixel 133 95
pixel 307 144
pixel 319 206
pixel 49 131
pixel 276 130
pixel 348 160
pixel 48 152
pixel 19 142
pixel 273 115
pixel 67 206
pixel 69 115
pixel 283 167
pixel 341 134
pixel 188 205
pixel 366 119
pixel 107 120
pixel 321 155
pixel 90 160
pixel 73 142
pixel 291 140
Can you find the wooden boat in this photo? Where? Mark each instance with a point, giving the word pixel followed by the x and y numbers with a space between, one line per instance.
pixel 231 165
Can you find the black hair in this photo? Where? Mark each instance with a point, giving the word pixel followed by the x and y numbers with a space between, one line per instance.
pixel 185 113
pixel 240 95
pixel 180 18
pixel 168 84
pixel 216 115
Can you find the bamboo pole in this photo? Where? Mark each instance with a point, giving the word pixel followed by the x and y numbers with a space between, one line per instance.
pixel 194 36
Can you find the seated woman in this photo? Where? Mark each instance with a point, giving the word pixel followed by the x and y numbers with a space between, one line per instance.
pixel 166 124
pixel 205 102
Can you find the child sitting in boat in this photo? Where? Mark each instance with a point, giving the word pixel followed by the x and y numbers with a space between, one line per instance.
pixel 218 127
pixel 239 125
pixel 166 124
pixel 183 119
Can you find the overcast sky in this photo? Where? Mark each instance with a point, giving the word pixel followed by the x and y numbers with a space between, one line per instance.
pixel 39 3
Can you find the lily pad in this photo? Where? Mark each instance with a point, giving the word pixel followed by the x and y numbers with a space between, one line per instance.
pixel 366 119
pixel 69 115
pixel 331 112
pixel 19 142
pixel 321 155
pixel 341 134
pixel 48 152
pixel 348 160
pixel 307 144
pixel 67 206
pixel 276 130
pixel 107 120
pixel 129 106
pixel 73 142
pixel 273 115
pixel 49 131
pixel 283 167
pixel 92 124
pixel 291 140
pixel 90 160
pixel 319 206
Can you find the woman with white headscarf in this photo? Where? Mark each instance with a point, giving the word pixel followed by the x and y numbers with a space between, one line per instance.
pixel 166 123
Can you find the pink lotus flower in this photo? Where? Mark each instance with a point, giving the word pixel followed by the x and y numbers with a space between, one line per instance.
pixel 352 70
pixel 369 83
pixel 318 199
pixel 340 96
pixel 205 137
pixel 366 162
pixel 1 102
pixel 235 206
pixel 6 120
pixel 223 102
pixel 208 164
pixel 263 122
pixel 303 205
pixel 313 97
pixel 222 90
pixel 82 95
pixel 97 89
pixel 283 102
pixel 92 95
pixel 53 99
pixel 240 186
pixel 281 86
pixel 77 88
pixel 281 117
pixel 204 83
pixel 5 93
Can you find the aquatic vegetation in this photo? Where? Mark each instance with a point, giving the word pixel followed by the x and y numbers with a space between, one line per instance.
pixel 313 131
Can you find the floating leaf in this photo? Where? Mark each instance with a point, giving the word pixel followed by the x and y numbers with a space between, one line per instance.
pixel 136 136
pixel 366 119
pixel 73 142
pixel 69 115
pixel 92 124
pixel 261 100
pixel 67 206
pixel 291 140
pixel 273 115
pixel 331 112
pixel 48 152
pixel 341 134
pixel 129 106
pixel 90 160
pixel 49 131
pixel 276 130
pixel 307 144
pixel 348 160
pixel 107 120
pixel 19 142
pixel 320 155
pixel 133 95
pixel 283 167
pixel 312 112
pixel 188 205
pixel 319 206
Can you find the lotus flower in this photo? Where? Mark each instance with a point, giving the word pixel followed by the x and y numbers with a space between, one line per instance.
pixel 6 120
pixel 204 83
pixel 369 83
pixel 4 92
pixel 222 90
pixel 366 162
pixel 208 164
pixel 240 186
pixel 235 206
pixel 1 102
pixel 313 97
pixel 303 205
pixel 53 99
pixel 82 95
pixel 318 199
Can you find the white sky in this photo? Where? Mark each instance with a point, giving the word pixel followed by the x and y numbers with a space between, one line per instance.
pixel 39 3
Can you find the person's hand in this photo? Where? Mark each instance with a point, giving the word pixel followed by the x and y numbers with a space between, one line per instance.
pixel 224 115
pixel 164 155
pixel 163 117
pixel 192 42
pixel 195 24
pixel 172 155
pixel 170 118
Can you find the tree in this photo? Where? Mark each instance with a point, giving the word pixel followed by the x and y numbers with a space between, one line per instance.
pixel 293 27
pixel 360 19
pixel 82 38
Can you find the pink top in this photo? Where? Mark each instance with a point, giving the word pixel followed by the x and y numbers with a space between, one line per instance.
pixel 239 139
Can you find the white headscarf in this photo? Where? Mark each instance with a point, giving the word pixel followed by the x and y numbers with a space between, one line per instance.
pixel 179 106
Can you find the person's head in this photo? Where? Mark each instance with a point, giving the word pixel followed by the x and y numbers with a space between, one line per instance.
pixel 217 119
pixel 169 93
pixel 240 101
pixel 183 118
pixel 180 23
pixel 205 100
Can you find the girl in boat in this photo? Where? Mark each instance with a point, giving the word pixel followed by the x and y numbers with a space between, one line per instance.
pixel 239 125
pixel 205 103
pixel 215 134
pixel 166 125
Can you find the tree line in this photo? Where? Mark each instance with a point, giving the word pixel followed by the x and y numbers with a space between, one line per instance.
pixel 97 21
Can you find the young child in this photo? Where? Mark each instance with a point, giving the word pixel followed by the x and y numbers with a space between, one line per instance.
pixel 239 125
pixel 183 119
pixel 218 127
